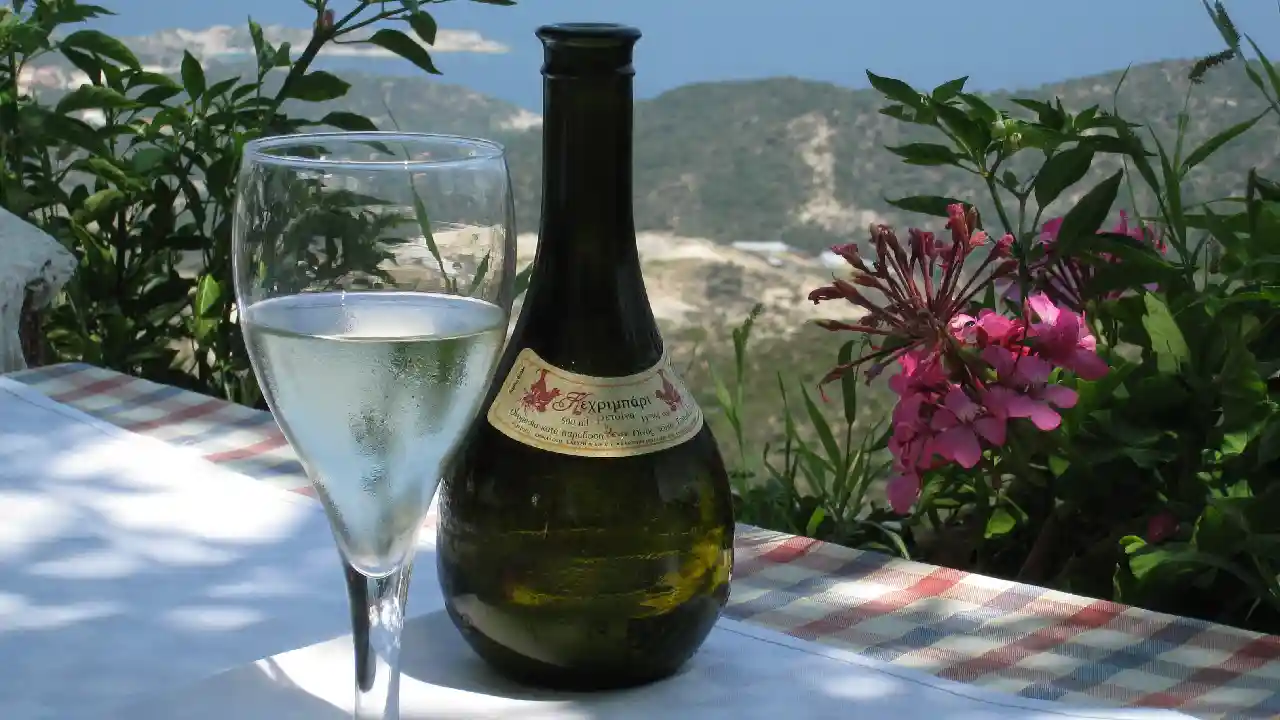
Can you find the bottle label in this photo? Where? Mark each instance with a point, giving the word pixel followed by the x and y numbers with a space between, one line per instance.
pixel 555 410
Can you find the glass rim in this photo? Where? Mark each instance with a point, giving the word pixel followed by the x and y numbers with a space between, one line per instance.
pixel 258 151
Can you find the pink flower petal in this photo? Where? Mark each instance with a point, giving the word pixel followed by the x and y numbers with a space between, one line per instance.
pixel 1044 308
pixel 903 491
pixel 1032 370
pixel 943 419
pixel 960 445
pixel 1002 360
pixel 1008 403
pixel 996 326
pixel 1087 365
pixel 959 403
pixel 992 429
pixel 1060 396
pixel 1044 417
pixel 1161 526
pixel 1050 229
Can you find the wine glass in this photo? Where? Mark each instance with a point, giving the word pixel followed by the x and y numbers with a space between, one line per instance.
pixel 374 279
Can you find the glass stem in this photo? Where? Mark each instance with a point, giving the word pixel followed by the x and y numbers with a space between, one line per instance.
pixel 377 617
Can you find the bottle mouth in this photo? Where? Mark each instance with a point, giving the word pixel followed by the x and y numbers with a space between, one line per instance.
pixel 589 34
pixel 588 50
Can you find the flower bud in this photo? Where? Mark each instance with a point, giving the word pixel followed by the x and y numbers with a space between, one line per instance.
pixel 851 254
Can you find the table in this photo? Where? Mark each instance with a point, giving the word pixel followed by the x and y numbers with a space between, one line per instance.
pixel 997 634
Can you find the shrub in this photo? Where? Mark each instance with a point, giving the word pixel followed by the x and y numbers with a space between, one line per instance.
pixel 149 191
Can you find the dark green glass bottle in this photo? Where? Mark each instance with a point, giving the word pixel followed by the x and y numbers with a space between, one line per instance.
pixel 586 525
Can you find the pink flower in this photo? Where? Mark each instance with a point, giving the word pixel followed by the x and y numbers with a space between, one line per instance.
pixel 1049 230
pixel 1023 390
pixel 1063 338
pixel 903 490
pixel 921 372
pixel 1161 527
pixel 1067 279
pixel 960 422
pixel 912 439
pixel 1143 234
pixel 989 328
pixel 911 290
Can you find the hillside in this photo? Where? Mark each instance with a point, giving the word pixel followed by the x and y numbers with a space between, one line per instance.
pixel 776 159
pixel 804 162
pixel 783 158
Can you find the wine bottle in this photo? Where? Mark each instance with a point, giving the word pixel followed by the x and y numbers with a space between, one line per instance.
pixel 586 525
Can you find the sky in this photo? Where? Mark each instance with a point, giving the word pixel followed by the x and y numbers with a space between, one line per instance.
pixel 1000 44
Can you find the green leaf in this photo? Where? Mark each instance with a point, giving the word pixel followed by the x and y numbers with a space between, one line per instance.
pixel 67 14
pixel 1058 465
pixel 192 76
pixel 1210 146
pixel 973 135
pixel 1221 529
pixel 482 270
pixel 1168 565
pixel 1269 444
pixel 848 383
pixel 147 158
pixel 318 86
pixel 1046 114
pixel 1172 185
pixel 823 428
pixel 724 400
pixel 424 26
pixel 424 226
pixel 1166 338
pixel 404 46
pixel 283 57
pixel 220 88
pixel 980 107
pixel 1061 172
pixel 156 96
pixel 37 121
pixel 1000 523
pixel 949 89
pixel 88 63
pixel 349 121
pixel 896 90
pixel 815 521
pixel 88 97
pixel 260 48
pixel 208 293
pixel 931 205
pixel 1267 65
pixel 925 154
pixel 102 44
pixel 102 202
pixel 522 279
pixel 1089 214
pixel 108 170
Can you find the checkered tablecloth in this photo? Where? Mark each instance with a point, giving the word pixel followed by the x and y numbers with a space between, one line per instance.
pixel 997 634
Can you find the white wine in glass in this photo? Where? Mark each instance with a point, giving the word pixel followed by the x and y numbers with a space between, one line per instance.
pixel 374 279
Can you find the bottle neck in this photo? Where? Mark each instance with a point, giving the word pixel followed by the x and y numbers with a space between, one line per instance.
pixel 587 290
pixel 587 220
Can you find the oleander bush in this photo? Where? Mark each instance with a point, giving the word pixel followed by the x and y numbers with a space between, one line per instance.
pixel 1087 402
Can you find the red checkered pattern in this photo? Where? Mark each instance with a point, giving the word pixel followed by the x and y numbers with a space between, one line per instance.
pixel 1002 635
